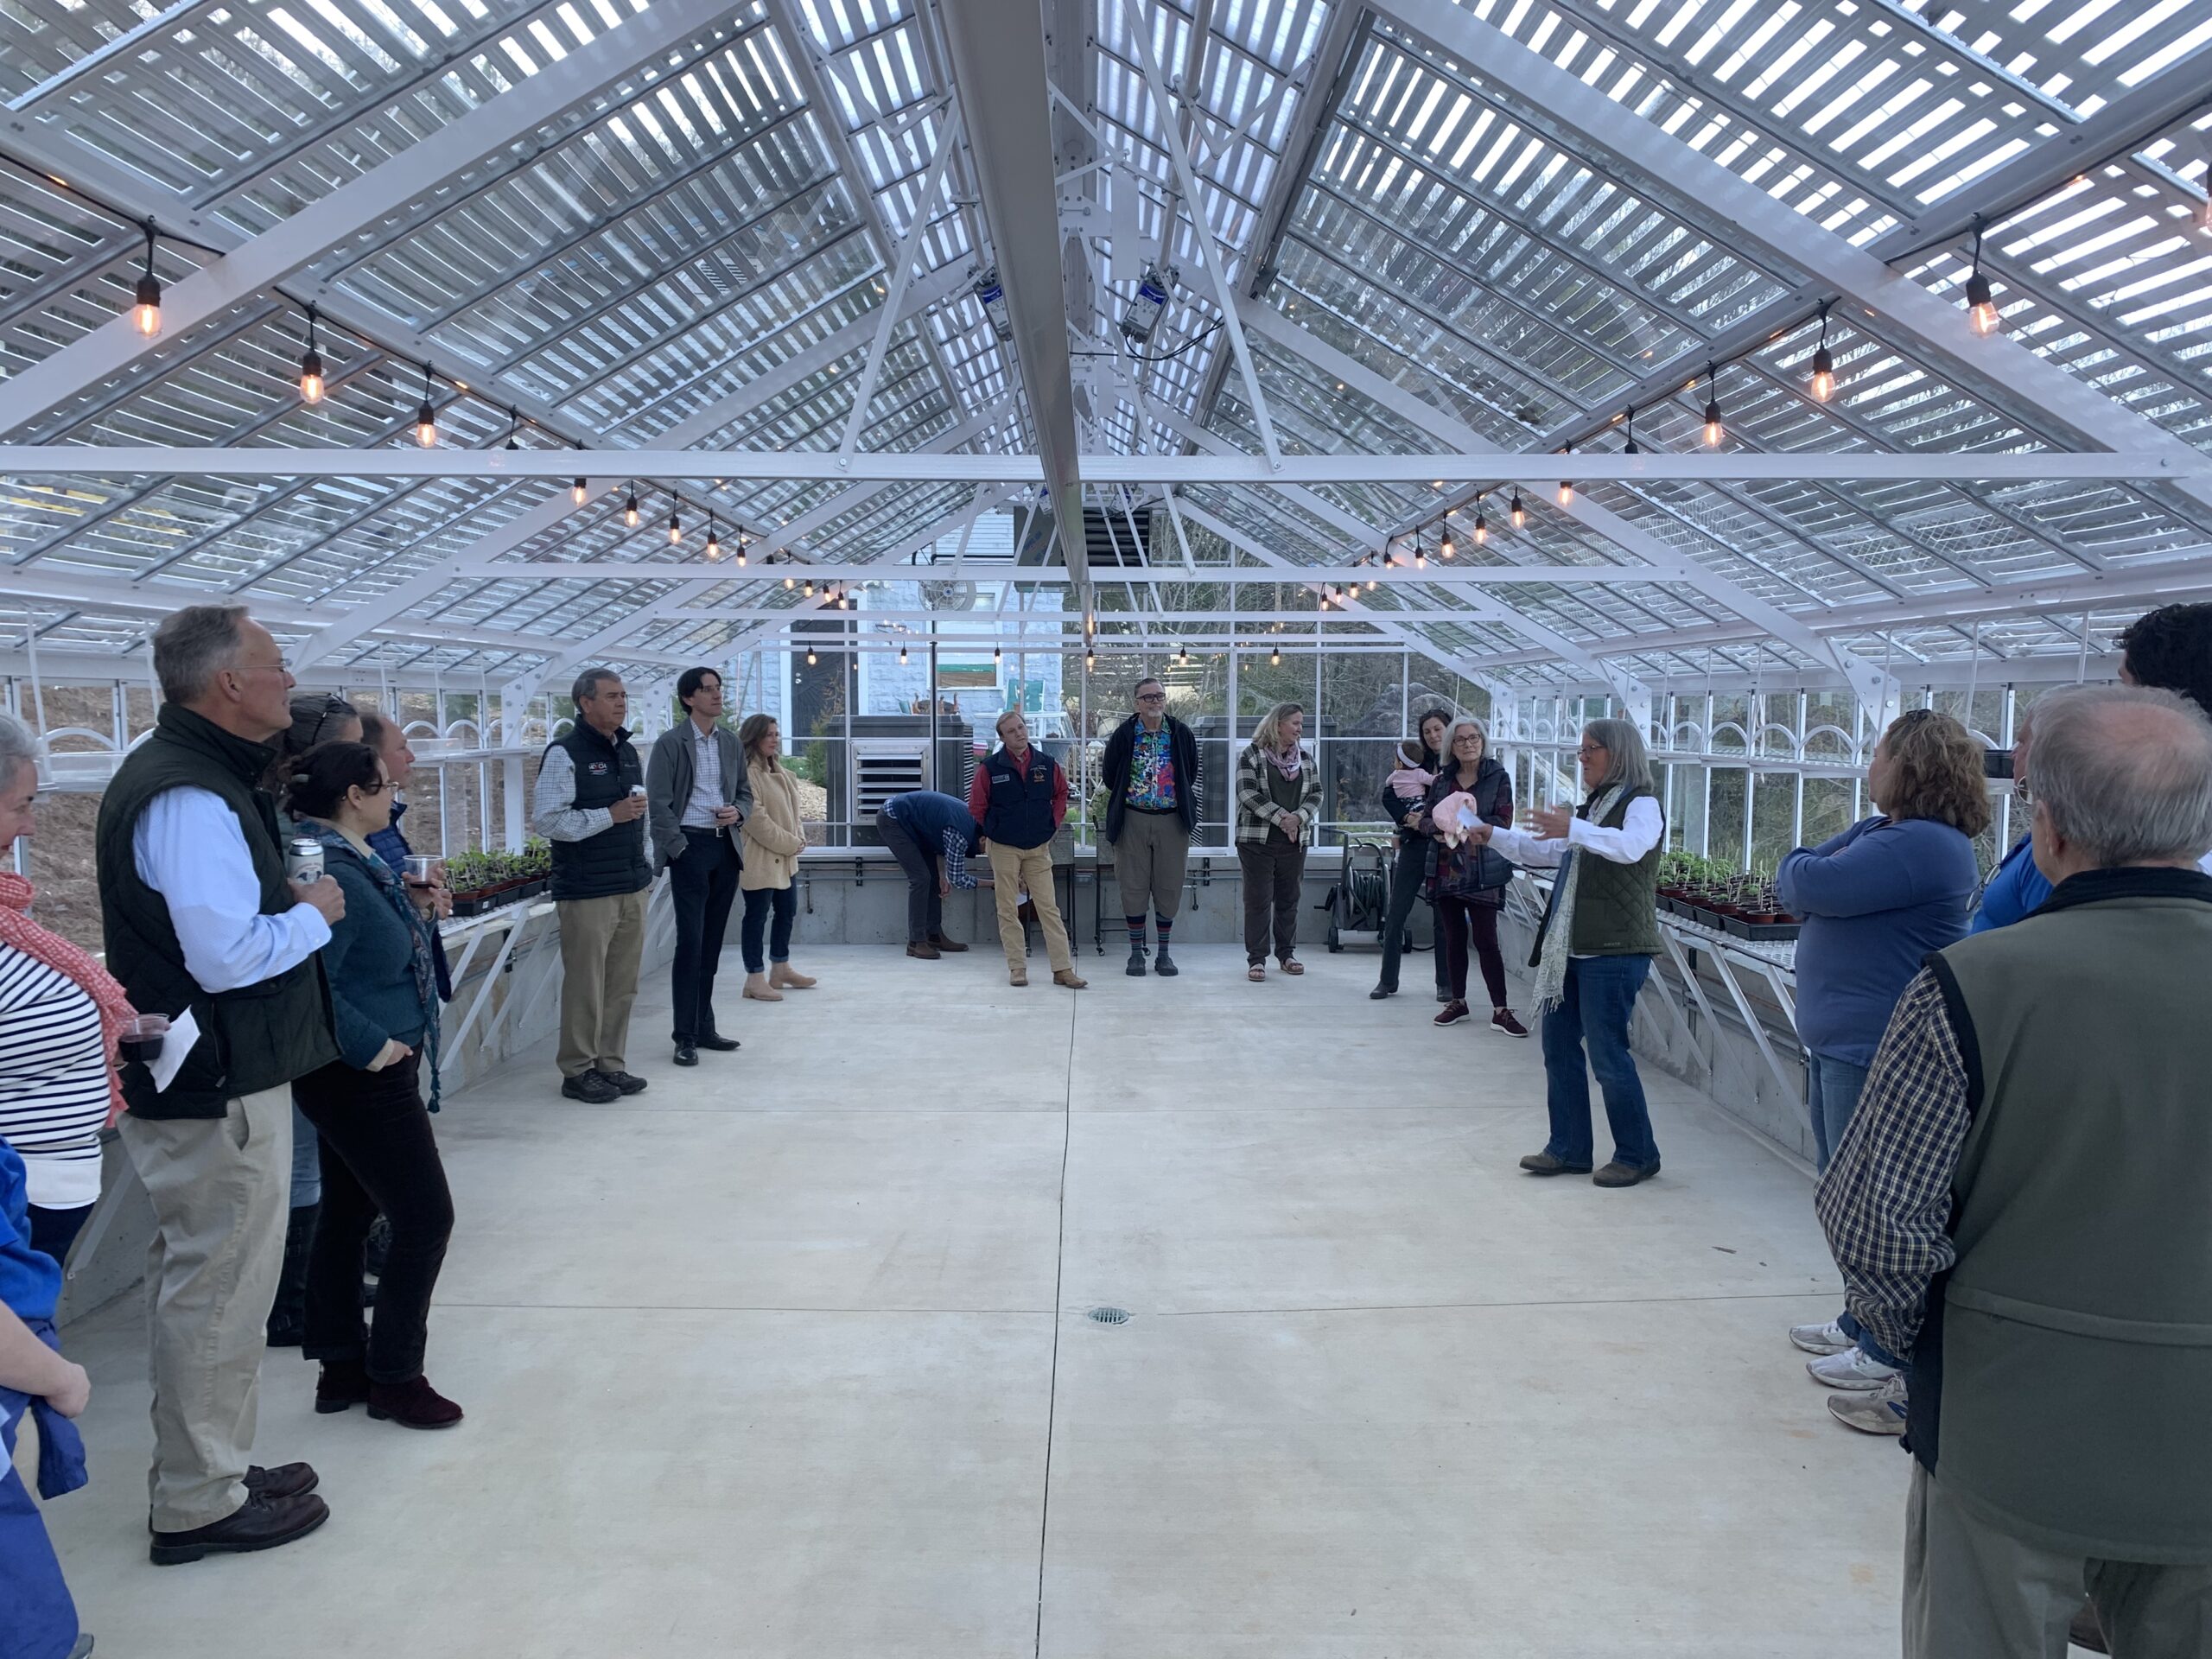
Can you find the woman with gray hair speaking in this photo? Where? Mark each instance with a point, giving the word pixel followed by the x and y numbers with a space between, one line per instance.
pixel 1594 949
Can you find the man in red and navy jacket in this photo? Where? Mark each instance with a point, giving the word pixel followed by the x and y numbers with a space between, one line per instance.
pixel 1021 797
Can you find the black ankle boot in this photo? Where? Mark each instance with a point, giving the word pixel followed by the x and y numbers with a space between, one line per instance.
pixel 1163 964
pixel 1135 969
pixel 288 1314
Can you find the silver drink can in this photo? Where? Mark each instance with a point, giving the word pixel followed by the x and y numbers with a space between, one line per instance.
pixel 303 862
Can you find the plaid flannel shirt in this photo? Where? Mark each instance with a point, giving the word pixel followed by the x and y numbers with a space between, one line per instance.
pixel 1257 811
pixel 1885 1201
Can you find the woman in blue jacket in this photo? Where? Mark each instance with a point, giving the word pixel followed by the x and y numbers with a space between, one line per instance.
pixel 1876 901
pixel 379 1154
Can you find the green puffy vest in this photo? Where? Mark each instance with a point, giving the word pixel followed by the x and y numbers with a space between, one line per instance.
pixel 258 1036
pixel 1616 906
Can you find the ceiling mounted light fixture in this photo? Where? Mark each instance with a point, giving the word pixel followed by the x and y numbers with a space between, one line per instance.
pixel 426 418
pixel 1981 306
pixel 1823 385
pixel 146 303
pixel 311 381
pixel 1714 431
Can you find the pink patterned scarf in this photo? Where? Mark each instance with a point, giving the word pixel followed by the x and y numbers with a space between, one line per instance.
pixel 18 931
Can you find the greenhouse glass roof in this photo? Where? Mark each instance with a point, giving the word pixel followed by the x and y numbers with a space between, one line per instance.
pixel 1523 237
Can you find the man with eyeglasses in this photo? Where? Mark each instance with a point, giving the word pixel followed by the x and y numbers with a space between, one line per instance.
pixel 200 918
pixel 1151 768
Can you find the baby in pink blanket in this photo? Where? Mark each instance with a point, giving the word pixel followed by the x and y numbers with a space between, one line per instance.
pixel 1411 781
pixel 1455 818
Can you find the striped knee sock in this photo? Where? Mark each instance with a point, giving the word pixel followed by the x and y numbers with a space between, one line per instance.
pixel 1136 924
pixel 1165 927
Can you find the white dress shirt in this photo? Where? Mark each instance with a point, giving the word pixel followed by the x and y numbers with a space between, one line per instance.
pixel 706 780
pixel 190 847
pixel 1641 827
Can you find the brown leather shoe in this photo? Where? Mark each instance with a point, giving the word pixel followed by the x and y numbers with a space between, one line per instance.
pixel 926 952
pixel 285 1480
pixel 1017 975
pixel 265 1522
pixel 784 977
pixel 1543 1163
pixel 953 946
pixel 412 1405
pixel 1068 977
pixel 1617 1173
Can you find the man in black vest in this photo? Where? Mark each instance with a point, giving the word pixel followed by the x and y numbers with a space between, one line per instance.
pixel 590 803
pixel 199 920
pixel 1021 796
pixel 2019 1208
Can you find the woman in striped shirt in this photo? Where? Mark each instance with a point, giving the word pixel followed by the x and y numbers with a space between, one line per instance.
pixel 59 1014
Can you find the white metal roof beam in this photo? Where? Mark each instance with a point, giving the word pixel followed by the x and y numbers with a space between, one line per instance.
pixel 1217 465
pixel 557 506
pixel 997 52
pixel 362 203
pixel 1864 676
pixel 2003 372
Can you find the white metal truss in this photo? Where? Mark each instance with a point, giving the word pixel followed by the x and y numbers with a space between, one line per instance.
pixel 375 196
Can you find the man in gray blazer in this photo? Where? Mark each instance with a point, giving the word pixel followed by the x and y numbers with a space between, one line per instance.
pixel 696 794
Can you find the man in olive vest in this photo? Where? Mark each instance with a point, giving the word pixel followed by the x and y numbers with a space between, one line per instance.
pixel 2019 1207
pixel 590 803
pixel 199 919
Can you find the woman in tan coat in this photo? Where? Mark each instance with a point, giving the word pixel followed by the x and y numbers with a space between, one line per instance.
pixel 773 838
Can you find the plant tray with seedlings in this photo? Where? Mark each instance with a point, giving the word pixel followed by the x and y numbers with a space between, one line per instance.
pixel 486 881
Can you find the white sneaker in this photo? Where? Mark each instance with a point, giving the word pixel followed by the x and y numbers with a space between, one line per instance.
pixel 1881 1412
pixel 1821 1338
pixel 1851 1369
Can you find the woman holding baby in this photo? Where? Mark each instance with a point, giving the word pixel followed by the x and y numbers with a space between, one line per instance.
pixel 1466 878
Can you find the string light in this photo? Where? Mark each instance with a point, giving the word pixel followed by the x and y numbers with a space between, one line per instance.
pixel 809 593
pixel 1981 307
pixel 146 304
pixel 1089 659
pixel 740 547
pixel 1184 657
pixel 1275 656
pixel 1628 415
pixel 787 584
pixel 630 509
pixel 714 538
pixel 311 380
pixel 1713 430
pixel 902 656
pixel 675 527
pixel 1482 524
pixel 1517 512
pixel 1566 485
pixel 1823 382
pixel 579 492
pixel 514 426
pixel 1444 546
pixel 1421 553
pixel 997 655
pixel 809 656
pixel 426 418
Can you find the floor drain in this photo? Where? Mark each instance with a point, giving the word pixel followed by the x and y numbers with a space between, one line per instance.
pixel 1110 1315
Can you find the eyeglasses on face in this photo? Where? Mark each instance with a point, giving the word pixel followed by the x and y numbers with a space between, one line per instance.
pixel 1589 747
pixel 1152 696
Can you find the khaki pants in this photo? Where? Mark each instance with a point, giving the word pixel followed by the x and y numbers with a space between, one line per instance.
pixel 601 942
pixel 1972 1591
pixel 1151 861
pixel 1012 870
pixel 219 1188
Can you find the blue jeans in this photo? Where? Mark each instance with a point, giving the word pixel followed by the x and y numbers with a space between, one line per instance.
pixel 759 902
pixel 307 1163
pixel 1832 1088
pixel 1594 1012
pixel 1832 1091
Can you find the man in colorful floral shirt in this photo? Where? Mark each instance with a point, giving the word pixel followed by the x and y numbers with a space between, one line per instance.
pixel 1151 769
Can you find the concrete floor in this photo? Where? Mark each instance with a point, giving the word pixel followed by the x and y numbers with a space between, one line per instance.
pixel 788 1356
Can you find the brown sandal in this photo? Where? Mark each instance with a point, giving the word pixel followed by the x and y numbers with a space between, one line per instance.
pixel 1256 973
pixel 1293 965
